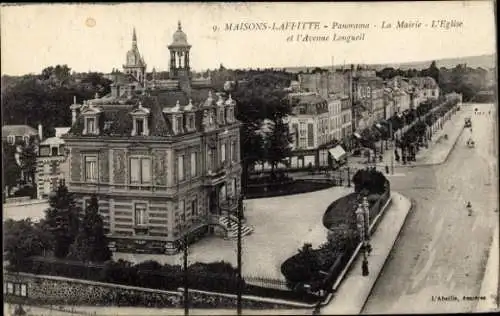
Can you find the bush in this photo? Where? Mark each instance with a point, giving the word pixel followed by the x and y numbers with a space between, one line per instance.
pixel 369 180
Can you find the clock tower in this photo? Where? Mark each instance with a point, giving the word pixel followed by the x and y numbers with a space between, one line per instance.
pixel 135 64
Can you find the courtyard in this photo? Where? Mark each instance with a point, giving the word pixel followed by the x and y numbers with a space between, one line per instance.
pixel 281 226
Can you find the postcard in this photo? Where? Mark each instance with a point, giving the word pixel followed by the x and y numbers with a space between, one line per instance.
pixel 250 158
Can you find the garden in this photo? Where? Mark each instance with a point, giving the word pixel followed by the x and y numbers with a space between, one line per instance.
pixel 280 184
pixel 315 269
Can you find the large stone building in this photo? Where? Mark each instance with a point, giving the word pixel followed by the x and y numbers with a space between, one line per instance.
pixel 163 160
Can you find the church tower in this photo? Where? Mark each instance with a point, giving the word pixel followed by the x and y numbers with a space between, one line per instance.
pixel 179 56
pixel 135 64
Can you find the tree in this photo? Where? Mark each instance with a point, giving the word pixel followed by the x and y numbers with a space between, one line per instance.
pixel 23 239
pixel 262 97
pixel 11 170
pixel 28 162
pixel 277 144
pixel 91 243
pixel 62 219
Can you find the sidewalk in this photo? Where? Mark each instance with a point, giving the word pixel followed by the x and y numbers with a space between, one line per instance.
pixel 355 289
pixel 489 286
pixel 437 152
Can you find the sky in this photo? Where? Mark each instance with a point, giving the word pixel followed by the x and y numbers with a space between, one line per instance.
pixel 90 37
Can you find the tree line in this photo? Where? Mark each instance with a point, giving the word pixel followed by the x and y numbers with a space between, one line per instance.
pixel 45 98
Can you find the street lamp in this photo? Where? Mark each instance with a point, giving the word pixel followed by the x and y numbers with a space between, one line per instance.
pixel 360 223
pixel 366 209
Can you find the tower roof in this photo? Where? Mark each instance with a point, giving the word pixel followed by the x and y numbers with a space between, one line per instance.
pixel 179 38
pixel 133 56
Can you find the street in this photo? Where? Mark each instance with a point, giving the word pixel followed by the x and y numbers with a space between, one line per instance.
pixel 441 252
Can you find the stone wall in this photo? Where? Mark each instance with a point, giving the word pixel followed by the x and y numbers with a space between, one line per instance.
pixel 49 290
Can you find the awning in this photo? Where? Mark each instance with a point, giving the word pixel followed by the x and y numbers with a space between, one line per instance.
pixel 337 152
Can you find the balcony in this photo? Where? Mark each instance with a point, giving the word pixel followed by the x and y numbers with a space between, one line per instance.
pixel 214 177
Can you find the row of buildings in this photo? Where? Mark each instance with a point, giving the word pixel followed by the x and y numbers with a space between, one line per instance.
pixel 329 108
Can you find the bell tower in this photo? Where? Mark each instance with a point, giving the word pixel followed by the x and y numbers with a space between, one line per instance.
pixel 179 56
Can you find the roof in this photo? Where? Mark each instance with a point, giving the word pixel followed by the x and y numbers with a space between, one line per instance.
pixel 18 130
pixel 115 119
pixel 179 38
pixel 54 141
pixel 306 99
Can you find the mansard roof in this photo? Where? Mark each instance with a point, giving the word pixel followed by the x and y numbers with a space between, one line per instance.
pixel 115 117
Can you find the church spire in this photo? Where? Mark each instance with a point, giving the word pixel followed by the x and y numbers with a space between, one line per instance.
pixel 134 38
pixel 179 27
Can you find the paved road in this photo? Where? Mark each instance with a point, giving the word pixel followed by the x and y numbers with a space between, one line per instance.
pixel 441 251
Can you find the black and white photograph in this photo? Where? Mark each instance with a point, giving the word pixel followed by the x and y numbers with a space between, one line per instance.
pixel 258 158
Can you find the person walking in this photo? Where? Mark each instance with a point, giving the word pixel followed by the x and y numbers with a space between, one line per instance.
pixel 469 208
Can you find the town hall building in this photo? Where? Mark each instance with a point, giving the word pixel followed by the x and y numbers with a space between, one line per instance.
pixel 163 159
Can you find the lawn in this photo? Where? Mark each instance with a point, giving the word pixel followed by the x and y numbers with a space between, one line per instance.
pixel 281 226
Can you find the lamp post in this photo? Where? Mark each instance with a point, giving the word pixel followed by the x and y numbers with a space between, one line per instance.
pixel 348 177
pixel 366 213
pixel 360 223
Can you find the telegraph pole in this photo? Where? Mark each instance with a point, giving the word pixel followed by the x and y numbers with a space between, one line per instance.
pixel 239 280
pixel 392 149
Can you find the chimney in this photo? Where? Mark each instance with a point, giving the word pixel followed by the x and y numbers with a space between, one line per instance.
pixel 40 131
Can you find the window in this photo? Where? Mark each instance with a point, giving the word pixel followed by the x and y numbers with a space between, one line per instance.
pixel 180 168
pixel 179 124
pixel 223 153
pixel 11 139
pixel 140 214
pixel 194 170
pixel 91 126
pixel 90 168
pixel 139 126
pixel 233 187
pixel 55 151
pixel 182 210
pixel 191 122
pixel 10 288
pixel 17 289
pixel 209 159
pixel 233 151
pixel 310 135
pixel 194 207
pixel 140 170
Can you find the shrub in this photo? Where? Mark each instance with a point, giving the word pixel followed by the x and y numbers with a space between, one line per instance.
pixel 369 180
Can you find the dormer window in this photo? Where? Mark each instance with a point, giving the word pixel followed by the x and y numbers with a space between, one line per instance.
pixel 91 126
pixel 55 151
pixel 221 116
pixel 139 126
pixel 190 122
pixel 11 139
pixel 178 124
pixel 140 118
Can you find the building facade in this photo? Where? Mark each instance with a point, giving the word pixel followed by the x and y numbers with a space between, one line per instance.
pixel 163 161
pixel 335 118
pixel 51 167
pixel 309 122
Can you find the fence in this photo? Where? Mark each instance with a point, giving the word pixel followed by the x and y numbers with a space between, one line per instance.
pixel 267 282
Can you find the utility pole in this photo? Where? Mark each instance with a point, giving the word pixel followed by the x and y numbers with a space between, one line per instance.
pixel 239 280
pixel 186 282
pixel 392 149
